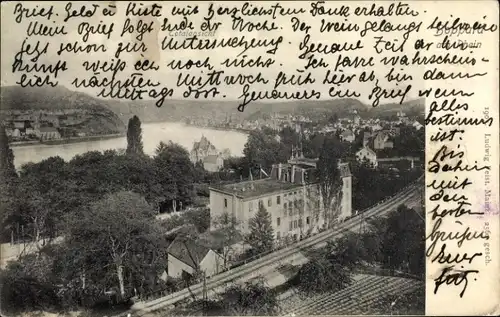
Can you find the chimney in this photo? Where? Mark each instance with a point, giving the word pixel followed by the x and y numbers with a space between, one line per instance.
pixel 279 171
pixel 293 173
pixel 251 180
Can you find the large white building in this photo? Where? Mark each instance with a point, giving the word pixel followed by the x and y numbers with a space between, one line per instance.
pixel 291 195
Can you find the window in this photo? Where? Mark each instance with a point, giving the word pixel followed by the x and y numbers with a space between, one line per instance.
pixel 307 220
pixel 284 206
pixel 300 223
pixel 290 226
pixel 269 202
pixel 250 206
pixel 278 221
pixel 295 224
pixel 278 200
pixel 225 202
pixel 295 203
pixel 278 235
pixel 261 204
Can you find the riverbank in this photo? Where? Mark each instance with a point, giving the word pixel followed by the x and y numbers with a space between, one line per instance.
pixel 241 130
pixel 68 140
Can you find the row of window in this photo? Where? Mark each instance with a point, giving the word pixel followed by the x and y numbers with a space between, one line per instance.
pixel 295 223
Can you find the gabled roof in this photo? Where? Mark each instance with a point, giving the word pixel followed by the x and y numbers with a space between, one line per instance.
pixel 188 251
pixel 368 150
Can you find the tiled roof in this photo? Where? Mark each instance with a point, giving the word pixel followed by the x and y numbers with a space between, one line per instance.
pixel 188 251
pixel 256 188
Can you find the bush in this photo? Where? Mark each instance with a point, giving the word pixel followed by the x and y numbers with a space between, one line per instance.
pixel 319 276
pixel 21 290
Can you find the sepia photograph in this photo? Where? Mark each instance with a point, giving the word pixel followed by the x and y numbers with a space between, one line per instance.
pixel 196 209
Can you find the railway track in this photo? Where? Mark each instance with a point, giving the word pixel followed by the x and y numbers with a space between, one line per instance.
pixel 270 262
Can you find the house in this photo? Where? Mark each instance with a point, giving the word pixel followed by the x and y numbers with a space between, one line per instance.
pixel 291 195
pixel 185 255
pixel 213 163
pixel 202 149
pixel 347 136
pixel 376 127
pixel 417 125
pixel 365 153
pixel 21 125
pixel 16 133
pixel 47 133
pixel 382 141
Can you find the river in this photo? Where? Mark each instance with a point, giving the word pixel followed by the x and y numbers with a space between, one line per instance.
pixel 152 134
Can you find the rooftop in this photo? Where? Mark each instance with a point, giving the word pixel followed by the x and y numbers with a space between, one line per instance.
pixel 255 188
pixel 188 251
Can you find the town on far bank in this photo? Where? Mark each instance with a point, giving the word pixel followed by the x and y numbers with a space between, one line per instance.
pixel 315 200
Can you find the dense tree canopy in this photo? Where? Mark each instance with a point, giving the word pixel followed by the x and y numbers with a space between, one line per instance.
pixel 119 233
pixel 262 149
pixel 175 174
pixel 7 168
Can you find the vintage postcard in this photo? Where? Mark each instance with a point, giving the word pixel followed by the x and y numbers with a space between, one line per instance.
pixel 233 158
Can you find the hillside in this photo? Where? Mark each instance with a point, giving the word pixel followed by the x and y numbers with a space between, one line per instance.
pixel 15 97
pixel 175 110
pixel 48 99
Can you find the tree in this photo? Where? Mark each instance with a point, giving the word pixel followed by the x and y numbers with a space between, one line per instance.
pixel 262 149
pixel 348 250
pixel 175 173
pixel 330 182
pixel 134 136
pixel 404 242
pixel 226 226
pixel 199 218
pixel 118 242
pixel 321 275
pixel 46 193
pixel 261 236
pixel 28 284
pixel 7 169
pixel 251 299
pixel 8 177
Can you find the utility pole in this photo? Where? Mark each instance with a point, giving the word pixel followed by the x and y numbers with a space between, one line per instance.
pixel 205 297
